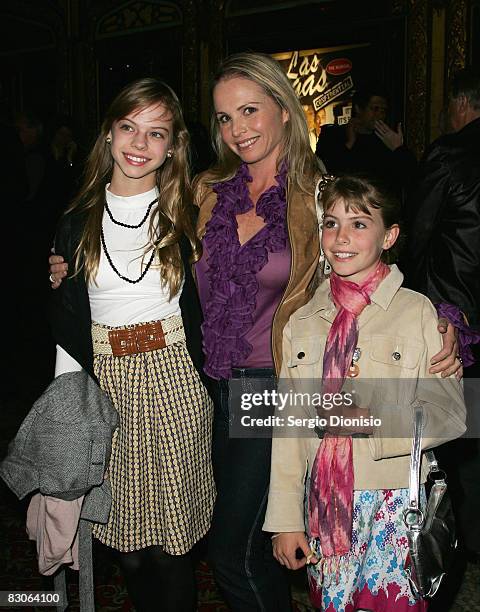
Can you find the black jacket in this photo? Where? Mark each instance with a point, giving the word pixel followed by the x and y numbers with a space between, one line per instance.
pixel 442 258
pixel 70 307
pixel 367 156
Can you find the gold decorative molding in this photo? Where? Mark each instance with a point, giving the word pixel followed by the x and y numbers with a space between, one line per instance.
pixel 138 16
pixel 457 38
pixel 417 75
pixel 437 75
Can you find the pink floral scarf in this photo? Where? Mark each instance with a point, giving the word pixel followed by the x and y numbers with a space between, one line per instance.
pixel 331 482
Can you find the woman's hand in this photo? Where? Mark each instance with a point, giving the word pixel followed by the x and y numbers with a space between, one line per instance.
pixel 447 360
pixel 285 547
pixel 58 269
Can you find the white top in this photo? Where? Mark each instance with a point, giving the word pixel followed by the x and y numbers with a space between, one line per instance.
pixel 116 302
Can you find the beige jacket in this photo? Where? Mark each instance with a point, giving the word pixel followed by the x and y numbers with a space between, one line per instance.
pixel 397 336
pixel 305 246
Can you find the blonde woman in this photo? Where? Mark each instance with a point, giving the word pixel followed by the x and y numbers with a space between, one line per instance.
pixel 258 226
pixel 128 314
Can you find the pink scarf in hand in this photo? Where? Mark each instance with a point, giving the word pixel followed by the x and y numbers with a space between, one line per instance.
pixel 331 482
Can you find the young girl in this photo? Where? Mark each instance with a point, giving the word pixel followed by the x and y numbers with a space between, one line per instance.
pixel 129 315
pixel 361 324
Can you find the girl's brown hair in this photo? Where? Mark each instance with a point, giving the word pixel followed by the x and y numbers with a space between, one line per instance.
pixel 172 215
pixel 361 193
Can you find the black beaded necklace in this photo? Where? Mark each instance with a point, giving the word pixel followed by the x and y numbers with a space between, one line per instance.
pixel 125 278
pixel 126 224
pixel 107 254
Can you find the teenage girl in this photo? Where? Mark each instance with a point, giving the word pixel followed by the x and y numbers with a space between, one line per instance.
pixel 361 324
pixel 128 313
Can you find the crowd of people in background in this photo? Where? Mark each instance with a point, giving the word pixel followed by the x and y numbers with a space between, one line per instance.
pixel 278 284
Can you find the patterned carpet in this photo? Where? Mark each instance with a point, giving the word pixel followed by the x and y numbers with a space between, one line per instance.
pixel 18 568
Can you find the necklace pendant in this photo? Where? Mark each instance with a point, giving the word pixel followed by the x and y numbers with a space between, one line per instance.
pixel 353 371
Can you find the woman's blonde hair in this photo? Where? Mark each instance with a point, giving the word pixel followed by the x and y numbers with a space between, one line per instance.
pixel 172 215
pixel 268 74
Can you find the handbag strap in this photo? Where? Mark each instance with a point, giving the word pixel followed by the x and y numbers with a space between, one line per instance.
pixel 415 459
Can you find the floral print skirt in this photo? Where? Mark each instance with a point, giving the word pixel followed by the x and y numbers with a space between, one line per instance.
pixel 371 576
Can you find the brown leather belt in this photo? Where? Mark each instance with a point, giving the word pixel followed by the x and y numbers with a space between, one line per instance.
pixel 139 338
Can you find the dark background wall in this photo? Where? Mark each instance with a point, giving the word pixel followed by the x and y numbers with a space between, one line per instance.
pixel 72 56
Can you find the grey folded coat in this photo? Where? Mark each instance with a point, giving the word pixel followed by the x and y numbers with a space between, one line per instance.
pixel 62 449
pixel 63 445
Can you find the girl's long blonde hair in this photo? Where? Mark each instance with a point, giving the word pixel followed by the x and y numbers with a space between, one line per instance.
pixel 171 217
pixel 266 72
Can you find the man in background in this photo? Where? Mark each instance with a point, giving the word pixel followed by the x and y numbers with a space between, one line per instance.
pixel 366 144
pixel 444 207
pixel 442 260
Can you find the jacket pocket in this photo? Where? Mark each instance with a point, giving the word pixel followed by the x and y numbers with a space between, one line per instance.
pixel 397 352
pixel 306 351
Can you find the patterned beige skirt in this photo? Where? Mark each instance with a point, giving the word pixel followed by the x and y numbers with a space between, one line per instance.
pixel 160 468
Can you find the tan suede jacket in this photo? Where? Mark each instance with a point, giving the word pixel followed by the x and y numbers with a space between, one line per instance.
pixel 397 336
pixel 302 224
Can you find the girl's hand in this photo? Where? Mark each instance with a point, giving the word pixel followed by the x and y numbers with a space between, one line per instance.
pixel 447 361
pixel 58 269
pixel 285 547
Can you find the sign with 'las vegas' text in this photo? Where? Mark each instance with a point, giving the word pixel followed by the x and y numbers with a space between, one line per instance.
pixel 324 80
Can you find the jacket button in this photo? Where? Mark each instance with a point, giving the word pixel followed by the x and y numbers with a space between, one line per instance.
pixel 396 355
pixel 301 355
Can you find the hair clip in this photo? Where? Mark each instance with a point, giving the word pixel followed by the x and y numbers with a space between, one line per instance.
pixel 322 184
pixel 324 181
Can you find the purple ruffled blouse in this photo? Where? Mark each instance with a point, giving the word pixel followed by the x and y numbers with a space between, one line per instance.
pixel 240 286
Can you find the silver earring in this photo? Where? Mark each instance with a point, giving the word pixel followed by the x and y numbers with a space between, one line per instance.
pixel 169 153
pixel 108 140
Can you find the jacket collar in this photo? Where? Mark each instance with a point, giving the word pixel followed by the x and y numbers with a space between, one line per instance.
pixel 322 304
pixel 471 126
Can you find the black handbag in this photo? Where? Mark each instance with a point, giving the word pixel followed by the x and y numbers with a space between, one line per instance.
pixel 430 532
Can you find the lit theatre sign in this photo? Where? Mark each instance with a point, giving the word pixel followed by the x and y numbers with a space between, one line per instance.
pixel 324 81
